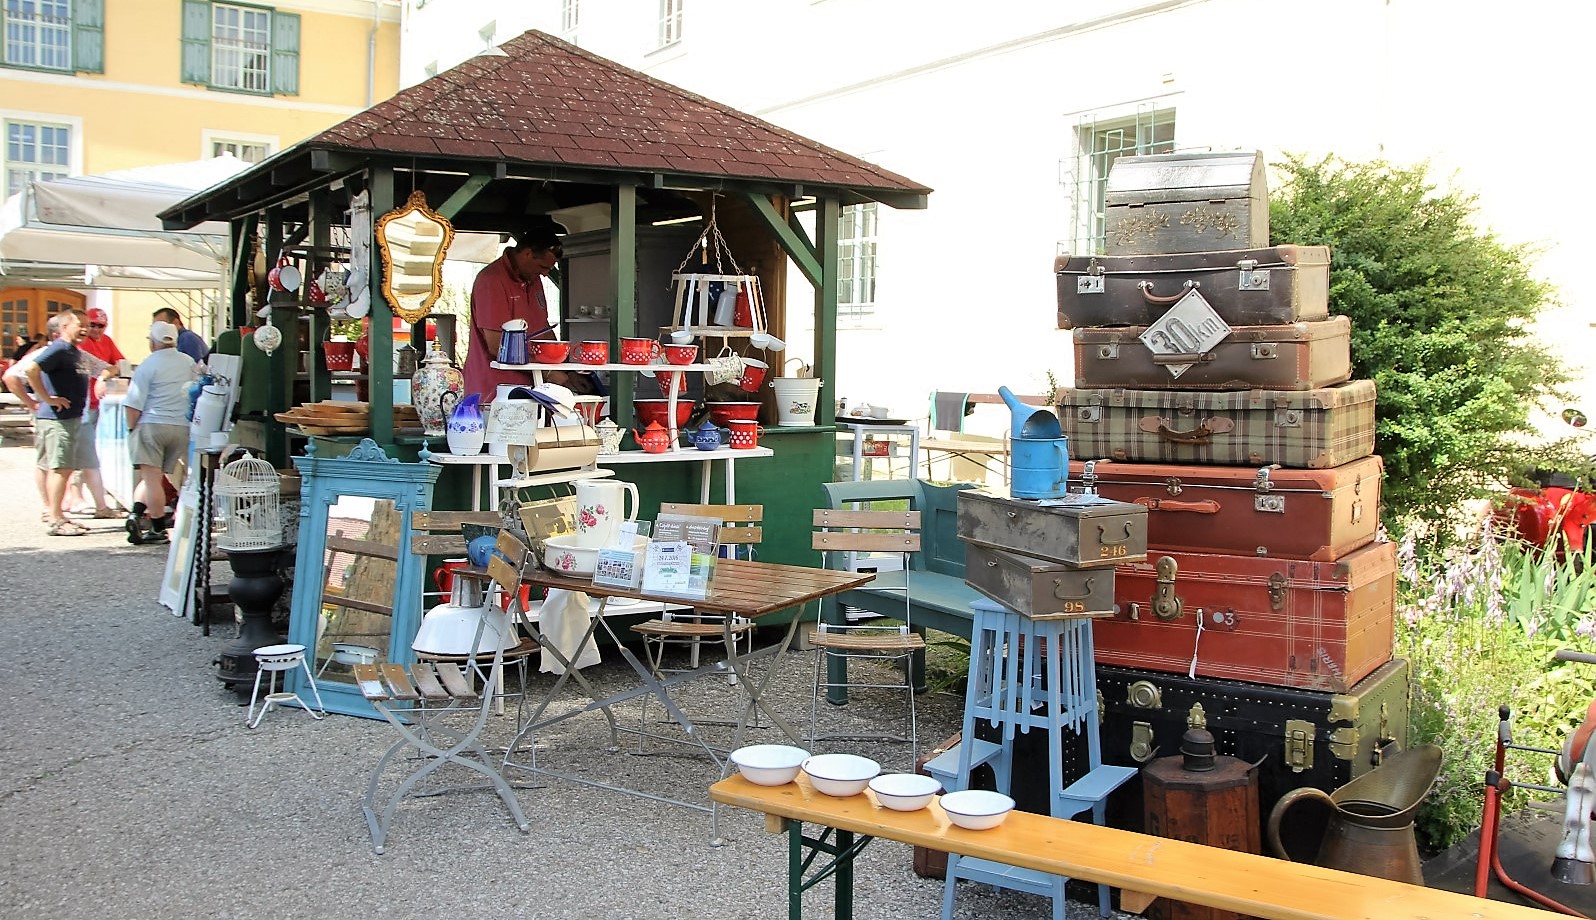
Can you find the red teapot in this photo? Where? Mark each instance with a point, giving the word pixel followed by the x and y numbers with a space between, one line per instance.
pixel 655 439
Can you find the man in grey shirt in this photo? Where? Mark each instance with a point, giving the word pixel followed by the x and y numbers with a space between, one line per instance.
pixel 157 429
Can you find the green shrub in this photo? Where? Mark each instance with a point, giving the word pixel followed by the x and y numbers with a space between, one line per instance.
pixel 1440 314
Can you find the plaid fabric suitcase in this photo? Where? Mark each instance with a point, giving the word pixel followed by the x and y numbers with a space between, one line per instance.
pixel 1246 287
pixel 1291 356
pixel 1300 429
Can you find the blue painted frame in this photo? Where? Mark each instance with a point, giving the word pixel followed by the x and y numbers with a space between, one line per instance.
pixel 368 472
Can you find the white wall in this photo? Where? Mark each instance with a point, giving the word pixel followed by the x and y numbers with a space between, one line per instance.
pixel 984 110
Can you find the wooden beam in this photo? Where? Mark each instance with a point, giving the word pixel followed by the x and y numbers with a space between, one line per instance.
pixel 463 195
pixel 828 212
pixel 380 185
pixel 623 280
pixel 796 247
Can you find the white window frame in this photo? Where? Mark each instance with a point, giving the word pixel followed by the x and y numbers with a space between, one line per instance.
pixel 209 138
pixel 237 63
pixel 570 17
pixel 670 22
pixel 38 26
pixel 72 123
pixel 858 261
pixel 1100 139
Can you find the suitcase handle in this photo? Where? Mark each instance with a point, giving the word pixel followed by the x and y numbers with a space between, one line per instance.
pixel 1150 297
pixel 1203 506
pixel 1205 429
pixel 1059 593
pixel 1186 358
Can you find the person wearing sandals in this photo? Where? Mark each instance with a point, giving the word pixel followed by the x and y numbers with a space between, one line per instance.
pixel 101 352
pixel 157 429
pixel 60 395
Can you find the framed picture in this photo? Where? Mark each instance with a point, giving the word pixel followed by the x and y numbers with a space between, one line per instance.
pixel 177 583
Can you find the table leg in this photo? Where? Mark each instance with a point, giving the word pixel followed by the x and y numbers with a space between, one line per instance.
pixel 731 481
pixel 756 702
pixel 842 853
pixel 795 870
pixel 703 483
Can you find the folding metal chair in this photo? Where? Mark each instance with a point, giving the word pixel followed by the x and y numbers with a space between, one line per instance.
pixel 867 531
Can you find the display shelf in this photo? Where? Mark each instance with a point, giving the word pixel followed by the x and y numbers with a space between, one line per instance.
pixel 653 368
pixel 716 332
pixel 685 454
pixel 551 478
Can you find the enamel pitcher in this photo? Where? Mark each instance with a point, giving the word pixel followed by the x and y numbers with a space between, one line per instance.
pixel 600 509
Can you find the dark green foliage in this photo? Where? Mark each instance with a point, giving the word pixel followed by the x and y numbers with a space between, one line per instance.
pixel 1439 312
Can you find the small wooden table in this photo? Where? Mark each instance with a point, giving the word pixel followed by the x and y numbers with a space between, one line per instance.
pixel 746 588
pixel 1256 886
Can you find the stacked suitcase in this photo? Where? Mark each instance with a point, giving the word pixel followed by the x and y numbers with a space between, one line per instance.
pixel 1213 388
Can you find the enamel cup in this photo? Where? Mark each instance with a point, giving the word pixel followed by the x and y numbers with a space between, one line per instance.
pixel 596 351
pixel 638 351
pixel 744 433
pixel 599 511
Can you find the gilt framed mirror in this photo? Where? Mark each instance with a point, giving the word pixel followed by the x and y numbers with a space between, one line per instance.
pixel 413 241
pixel 357 586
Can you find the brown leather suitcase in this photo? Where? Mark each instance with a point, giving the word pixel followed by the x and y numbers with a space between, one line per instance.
pixel 1304 429
pixel 1319 515
pixel 1292 356
pixel 1246 287
pixel 1285 622
pixel 1192 201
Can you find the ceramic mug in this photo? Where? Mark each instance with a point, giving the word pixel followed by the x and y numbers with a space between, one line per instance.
pixel 753 374
pixel 600 511
pixel 638 351
pixel 548 351
pixel 744 433
pixel 679 354
pixel 725 367
pixel 594 351
pixel 284 277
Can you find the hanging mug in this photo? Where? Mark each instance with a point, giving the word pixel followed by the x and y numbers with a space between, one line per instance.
pixel 284 277
pixel 743 312
pixel 753 374
pixel 724 367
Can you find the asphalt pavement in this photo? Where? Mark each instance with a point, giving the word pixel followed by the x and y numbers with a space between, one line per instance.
pixel 133 789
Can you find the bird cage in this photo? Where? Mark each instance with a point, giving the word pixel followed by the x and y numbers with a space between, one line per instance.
pixel 247 491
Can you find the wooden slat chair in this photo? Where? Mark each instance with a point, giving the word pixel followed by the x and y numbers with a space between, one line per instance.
pixel 846 531
pixel 418 700
pixel 740 527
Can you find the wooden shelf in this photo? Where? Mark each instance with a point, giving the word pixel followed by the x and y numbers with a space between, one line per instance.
pixel 651 368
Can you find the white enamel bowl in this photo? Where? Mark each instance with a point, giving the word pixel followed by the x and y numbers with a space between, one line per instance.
pixel 904 791
pixel 977 809
pixel 561 554
pixel 840 774
pixel 769 764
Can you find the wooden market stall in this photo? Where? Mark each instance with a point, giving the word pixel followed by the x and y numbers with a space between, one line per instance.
pixel 549 129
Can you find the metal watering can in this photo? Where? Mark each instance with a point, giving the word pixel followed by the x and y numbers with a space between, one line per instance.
pixel 1370 830
pixel 1039 456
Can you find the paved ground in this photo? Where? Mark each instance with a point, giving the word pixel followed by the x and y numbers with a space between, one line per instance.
pixel 133 789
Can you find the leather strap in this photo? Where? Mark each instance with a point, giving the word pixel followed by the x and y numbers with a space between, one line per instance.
pixel 1202 506
pixel 1205 429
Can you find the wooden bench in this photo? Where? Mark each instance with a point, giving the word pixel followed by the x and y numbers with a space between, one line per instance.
pixel 1256 886
pixel 938 597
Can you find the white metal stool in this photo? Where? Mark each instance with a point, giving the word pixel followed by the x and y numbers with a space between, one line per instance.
pixel 272 659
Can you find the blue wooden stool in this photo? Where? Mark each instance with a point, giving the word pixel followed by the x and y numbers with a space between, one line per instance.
pixel 1029 673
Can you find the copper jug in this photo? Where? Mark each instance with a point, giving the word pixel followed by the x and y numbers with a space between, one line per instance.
pixel 1370 830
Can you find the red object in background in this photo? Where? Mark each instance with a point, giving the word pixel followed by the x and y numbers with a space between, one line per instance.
pixel 1535 515
pixel 443 576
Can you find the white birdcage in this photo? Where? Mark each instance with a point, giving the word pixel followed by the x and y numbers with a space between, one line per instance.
pixel 247 491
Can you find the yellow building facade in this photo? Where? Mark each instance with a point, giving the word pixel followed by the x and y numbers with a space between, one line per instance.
pixel 91 86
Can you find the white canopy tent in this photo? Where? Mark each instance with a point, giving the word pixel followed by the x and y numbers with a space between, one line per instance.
pixel 101 231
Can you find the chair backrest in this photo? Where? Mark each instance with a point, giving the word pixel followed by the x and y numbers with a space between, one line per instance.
pixel 941 550
pixel 437 533
pixel 508 562
pixel 844 530
pixel 739 524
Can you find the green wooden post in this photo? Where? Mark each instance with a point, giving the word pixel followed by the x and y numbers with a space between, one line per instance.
pixel 381 342
pixel 623 271
pixel 795 869
pixel 828 211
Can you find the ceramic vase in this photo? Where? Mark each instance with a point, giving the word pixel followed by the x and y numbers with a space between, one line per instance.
pixel 467 429
pixel 435 390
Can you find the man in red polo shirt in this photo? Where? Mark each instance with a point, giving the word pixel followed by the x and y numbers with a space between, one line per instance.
pixel 107 356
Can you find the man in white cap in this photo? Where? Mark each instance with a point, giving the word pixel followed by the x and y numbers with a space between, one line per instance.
pixel 157 429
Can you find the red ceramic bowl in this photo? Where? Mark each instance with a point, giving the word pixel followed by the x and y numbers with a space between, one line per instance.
pixel 653 410
pixel 722 412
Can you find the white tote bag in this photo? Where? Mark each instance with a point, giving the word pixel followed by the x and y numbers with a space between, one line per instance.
pixel 562 621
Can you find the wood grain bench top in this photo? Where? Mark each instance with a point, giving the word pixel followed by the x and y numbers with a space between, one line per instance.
pixel 1257 886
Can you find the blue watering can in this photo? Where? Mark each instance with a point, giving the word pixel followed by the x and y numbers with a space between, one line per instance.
pixel 1039 456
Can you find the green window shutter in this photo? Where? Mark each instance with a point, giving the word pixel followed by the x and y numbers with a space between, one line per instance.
pixel 196 41
pixel 88 36
pixel 285 53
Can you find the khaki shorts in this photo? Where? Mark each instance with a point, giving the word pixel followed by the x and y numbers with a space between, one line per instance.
pixel 55 442
pixel 86 452
pixel 157 445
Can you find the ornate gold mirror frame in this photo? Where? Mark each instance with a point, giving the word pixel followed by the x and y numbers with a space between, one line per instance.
pixel 413 240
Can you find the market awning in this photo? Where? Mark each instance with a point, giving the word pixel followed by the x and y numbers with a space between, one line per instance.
pixel 101 231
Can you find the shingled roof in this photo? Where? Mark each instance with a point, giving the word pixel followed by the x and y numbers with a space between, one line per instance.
pixel 549 102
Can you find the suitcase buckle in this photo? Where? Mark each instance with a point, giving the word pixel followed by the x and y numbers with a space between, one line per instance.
pixel 1264 351
pixel 1167 605
pixel 1089 284
pixel 1108 352
pixel 1252 279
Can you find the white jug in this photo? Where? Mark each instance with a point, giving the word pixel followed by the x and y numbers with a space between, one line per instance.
pixel 599 511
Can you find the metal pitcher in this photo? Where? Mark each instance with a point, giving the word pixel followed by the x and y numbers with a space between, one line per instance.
pixel 1370 831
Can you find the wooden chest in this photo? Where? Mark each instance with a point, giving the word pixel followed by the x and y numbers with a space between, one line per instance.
pixel 1286 622
pixel 1036 587
pixel 1247 287
pixel 1303 429
pixel 1186 202
pixel 1293 356
pixel 1078 530
pixel 1320 515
